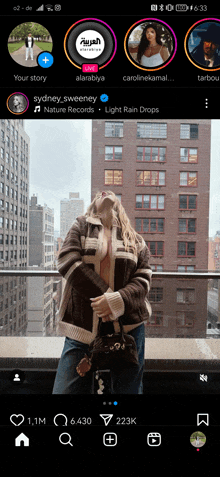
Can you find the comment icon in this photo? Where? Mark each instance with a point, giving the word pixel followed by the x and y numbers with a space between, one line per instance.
pixel 60 420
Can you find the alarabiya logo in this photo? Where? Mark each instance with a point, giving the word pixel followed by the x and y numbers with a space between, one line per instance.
pixel 90 44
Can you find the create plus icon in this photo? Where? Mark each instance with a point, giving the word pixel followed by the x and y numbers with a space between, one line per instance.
pixel 45 59
pixel 110 439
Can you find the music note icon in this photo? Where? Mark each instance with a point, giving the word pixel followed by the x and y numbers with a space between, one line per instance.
pixel 37 109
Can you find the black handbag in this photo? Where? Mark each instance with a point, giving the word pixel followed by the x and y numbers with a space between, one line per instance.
pixel 116 352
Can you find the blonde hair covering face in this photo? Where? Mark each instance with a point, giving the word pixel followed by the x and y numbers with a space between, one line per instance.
pixel 119 217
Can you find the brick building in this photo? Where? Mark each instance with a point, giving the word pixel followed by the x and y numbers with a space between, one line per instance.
pixel 160 170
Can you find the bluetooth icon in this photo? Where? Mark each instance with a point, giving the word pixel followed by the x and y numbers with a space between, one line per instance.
pixel 161 7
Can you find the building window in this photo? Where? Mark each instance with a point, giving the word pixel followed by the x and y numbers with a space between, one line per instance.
pixel 188 179
pixel 113 153
pixel 151 154
pixel 185 319
pixel 187 202
pixel 189 131
pixel 149 225
pixel 152 130
pixel 150 202
pixel 113 129
pixel 113 177
pixel 185 295
pixel 187 226
pixel 150 178
pixel 156 295
pixel 118 197
pixel 156 268
pixel 1 222
pixel 186 249
pixel 156 248
pixel 188 154
pixel 185 268
pixel 156 318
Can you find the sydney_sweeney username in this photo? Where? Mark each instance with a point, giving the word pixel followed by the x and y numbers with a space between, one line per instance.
pixel 64 99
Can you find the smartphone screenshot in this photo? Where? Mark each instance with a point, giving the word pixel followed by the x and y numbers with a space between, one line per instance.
pixel 109 236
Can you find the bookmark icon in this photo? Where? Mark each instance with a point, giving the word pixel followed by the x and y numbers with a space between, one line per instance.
pixel 106 418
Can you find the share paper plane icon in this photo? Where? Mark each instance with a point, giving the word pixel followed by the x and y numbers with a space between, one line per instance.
pixel 106 417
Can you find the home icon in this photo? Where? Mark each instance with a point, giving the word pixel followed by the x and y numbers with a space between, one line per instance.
pixel 22 440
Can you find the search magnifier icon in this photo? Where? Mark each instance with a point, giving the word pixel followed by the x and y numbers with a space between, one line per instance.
pixel 63 441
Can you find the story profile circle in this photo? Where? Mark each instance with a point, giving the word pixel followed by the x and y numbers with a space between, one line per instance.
pixel 202 44
pixel 17 103
pixel 150 44
pixel 90 41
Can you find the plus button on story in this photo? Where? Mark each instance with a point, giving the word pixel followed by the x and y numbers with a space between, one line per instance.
pixel 45 59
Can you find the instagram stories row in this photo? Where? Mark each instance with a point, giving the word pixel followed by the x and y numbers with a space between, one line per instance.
pixel 90 44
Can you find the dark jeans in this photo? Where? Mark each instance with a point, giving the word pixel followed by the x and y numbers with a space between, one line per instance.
pixel 68 381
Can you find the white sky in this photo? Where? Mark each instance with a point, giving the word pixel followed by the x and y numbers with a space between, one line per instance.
pixel 60 162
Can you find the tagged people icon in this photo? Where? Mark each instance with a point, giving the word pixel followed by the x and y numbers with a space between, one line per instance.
pixel 27 41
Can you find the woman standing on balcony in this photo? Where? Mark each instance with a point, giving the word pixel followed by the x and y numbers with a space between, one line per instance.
pixel 106 267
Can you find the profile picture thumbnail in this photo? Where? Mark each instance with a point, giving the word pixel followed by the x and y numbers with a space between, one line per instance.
pixel 90 42
pixel 203 45
pixel 198 439
pixel 27 41
pixel 150 45
pixel 17 103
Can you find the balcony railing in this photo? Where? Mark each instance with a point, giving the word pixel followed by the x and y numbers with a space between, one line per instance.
pixel 199 353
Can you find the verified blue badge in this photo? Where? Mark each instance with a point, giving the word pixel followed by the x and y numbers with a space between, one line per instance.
pixel 45 59
pixel 104 98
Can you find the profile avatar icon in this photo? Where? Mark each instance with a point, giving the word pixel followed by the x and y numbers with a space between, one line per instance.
pixel 27 41
pixel 198 439
pixel 204 45
pixel 17 103
pixel 150 45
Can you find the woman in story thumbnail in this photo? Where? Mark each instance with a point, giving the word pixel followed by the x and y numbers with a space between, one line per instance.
pixel 151 51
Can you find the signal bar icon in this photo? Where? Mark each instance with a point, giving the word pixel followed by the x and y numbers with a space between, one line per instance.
pixel 40 9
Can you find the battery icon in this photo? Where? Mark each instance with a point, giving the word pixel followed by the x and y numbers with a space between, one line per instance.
pixel 181 7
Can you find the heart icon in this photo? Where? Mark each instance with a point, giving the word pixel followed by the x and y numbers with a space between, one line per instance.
pixel 17 419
